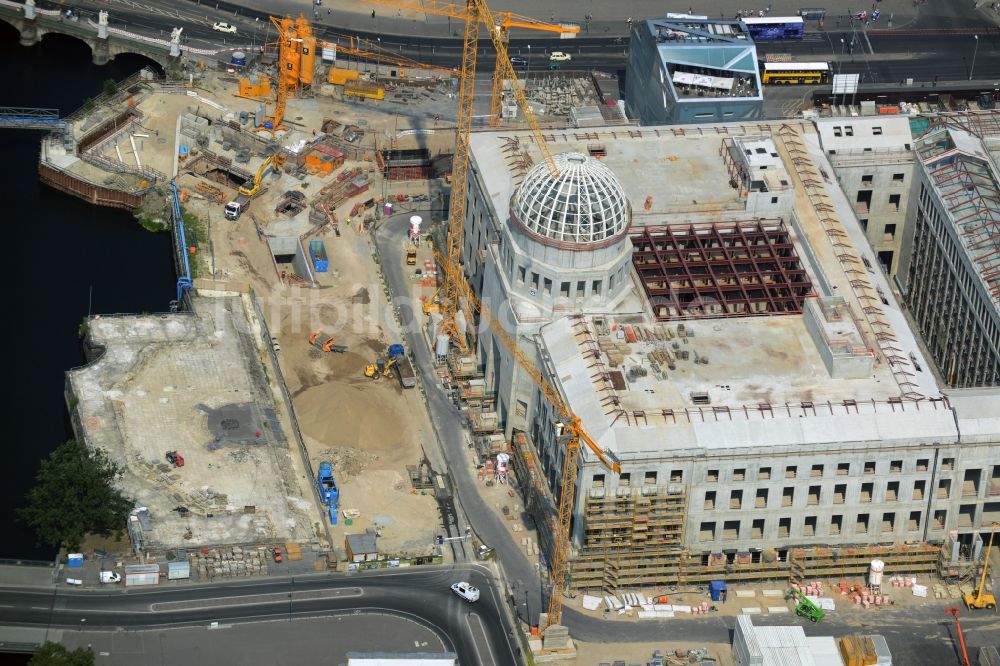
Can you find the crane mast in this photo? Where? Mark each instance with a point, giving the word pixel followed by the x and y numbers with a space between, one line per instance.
pixel 570 431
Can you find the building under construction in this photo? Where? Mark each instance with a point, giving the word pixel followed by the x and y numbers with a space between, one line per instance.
pixel 705 301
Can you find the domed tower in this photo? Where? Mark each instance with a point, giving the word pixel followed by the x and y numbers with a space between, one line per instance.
pixel 567 242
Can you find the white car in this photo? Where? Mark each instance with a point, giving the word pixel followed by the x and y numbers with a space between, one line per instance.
pixel 559 56
pixel 466 591
pixel 220 26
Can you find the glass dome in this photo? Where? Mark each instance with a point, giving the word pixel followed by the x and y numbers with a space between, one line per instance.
pixel 584 206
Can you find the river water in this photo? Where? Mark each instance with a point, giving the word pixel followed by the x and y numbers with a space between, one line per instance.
pixel 66 257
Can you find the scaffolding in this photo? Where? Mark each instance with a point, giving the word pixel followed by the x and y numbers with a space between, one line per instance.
pixel 609 570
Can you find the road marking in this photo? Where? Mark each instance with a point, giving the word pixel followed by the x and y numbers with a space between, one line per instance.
pixel 476 627
pixel 258 599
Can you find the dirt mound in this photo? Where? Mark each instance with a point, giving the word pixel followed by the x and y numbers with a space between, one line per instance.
pixel 359 415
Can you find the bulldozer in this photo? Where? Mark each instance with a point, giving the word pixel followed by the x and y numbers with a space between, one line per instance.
pixel 325 343
pixel 982 598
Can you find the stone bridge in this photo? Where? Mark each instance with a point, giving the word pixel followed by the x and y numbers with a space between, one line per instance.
pixel 105 42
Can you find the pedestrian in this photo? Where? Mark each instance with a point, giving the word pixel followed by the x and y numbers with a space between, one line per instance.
pixel 373 13
pixel 760 13
pixel 690 11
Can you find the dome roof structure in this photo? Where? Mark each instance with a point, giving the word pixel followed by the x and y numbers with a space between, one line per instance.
pixel 584 207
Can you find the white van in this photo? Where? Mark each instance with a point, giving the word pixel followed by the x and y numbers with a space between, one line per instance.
pixel 110 577
pixel 466 591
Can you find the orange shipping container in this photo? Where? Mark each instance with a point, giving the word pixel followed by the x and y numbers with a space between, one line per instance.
pixel 338 76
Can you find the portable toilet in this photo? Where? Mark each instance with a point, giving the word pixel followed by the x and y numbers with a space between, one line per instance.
pixel 717 590
pixel 333 514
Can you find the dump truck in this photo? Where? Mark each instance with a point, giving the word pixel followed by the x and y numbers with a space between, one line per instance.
pixel 252 187
pixel 327 485
pixel 402 365
pixel 404 370
pixel 237 207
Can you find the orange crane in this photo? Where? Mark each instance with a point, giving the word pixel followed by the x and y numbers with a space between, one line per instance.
pixel 569 430
pixel 961 637
pixel 501 21
pixel 287 43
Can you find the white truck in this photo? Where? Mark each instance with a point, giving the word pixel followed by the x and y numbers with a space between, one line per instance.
pixel 237 206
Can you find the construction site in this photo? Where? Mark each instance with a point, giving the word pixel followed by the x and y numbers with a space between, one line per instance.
pixel 672 341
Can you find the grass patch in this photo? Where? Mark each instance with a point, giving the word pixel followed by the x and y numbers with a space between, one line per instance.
pixel 154 225
pixel 196 236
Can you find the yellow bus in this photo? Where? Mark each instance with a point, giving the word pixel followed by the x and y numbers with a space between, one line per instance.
pixel 794 73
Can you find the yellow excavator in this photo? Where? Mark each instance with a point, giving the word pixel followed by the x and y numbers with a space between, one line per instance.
pixel 250 188
pixel 380 368
pixel 982 598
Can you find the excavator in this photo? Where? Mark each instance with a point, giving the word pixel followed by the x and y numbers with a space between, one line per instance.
pixel 326 343
pixel 983 598
pixel 251 188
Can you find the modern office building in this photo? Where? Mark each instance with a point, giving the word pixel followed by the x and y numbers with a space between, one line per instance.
pixel 705 300
pixel 689 69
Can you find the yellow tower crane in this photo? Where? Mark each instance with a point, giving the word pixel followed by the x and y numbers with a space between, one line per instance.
pixel 476 12
pixel 569 430
pixel 500 21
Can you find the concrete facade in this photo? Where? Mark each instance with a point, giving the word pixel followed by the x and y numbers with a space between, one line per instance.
pixel 874 163
pixel 953 278
pixel 823 426
pixel 685 69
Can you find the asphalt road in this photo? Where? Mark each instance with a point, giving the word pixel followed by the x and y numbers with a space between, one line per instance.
pixel 479 633
pixel 927 50
pixel 522 575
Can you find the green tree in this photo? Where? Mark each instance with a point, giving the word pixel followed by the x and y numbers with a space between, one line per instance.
pixel 110 86
pixel 54 654
pixel 74 495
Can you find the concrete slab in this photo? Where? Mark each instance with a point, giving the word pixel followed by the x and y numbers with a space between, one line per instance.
pixel 195 384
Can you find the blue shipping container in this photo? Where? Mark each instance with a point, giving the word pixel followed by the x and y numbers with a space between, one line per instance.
pixel 317 252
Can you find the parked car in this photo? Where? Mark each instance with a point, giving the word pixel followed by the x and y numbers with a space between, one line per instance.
pixel 111 577
pixel 222 26
pixel 518 61
pixel 466 591
pixel 277 554
pixel 559 56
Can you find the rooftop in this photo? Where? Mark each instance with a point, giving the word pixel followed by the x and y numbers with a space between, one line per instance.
pixel 706 57
pixel 192 383
pixel 847 368
pixel 966 179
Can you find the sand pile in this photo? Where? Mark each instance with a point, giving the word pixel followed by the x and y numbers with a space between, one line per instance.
pixel 356 415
